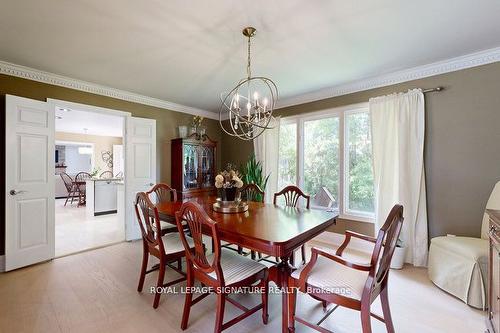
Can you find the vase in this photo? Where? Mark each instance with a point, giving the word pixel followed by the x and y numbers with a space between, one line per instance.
pixel 228 194
pixel 398 258
pixel 183 131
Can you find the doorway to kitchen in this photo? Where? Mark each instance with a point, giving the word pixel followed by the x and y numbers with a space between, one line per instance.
pixel 89 179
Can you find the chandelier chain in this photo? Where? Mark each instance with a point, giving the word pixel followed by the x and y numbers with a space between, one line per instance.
pixel 249 71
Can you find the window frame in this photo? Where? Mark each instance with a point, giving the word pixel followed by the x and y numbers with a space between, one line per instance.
pixel 340 113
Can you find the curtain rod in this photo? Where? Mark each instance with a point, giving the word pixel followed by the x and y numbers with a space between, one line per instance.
pixel 432 89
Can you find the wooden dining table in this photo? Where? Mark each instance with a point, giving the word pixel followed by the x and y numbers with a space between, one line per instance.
pixel 266 228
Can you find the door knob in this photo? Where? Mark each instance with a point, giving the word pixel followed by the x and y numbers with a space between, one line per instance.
pixel 16 192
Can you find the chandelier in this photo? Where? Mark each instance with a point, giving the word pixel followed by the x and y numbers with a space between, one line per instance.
pixel 248 107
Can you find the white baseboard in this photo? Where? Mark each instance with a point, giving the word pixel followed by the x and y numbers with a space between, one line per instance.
pixel 2 263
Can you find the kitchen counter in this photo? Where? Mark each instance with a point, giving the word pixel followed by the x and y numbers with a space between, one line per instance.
pixel 102 195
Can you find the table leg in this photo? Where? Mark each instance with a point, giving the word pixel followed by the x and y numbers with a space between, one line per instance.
pixel 279 274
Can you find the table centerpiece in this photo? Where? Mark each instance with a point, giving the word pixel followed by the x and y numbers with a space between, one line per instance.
pixel 227 183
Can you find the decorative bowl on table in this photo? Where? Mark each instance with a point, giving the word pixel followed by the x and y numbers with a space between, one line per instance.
pixel 236 206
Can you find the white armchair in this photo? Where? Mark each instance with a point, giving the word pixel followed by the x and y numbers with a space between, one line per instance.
pixel 459 265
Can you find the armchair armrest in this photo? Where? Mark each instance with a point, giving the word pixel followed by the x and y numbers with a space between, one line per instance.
pixel 347 239
pixel 315 252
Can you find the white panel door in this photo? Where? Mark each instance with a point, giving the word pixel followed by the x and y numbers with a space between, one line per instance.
pixel 140 171
pixel 29 166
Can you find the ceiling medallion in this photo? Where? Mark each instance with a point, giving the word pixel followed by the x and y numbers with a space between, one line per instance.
pixel 249 106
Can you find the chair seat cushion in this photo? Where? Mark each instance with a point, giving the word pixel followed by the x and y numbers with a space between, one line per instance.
pixel 468 247
pixel 236 267
pixel 336 278
pixel 172 243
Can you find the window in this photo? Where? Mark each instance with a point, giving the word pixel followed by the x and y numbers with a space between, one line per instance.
pixel 328 154
pixel 287 154
pixel 358 165
pixel 321 156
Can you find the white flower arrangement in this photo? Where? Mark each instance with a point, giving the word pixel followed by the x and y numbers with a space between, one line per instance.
pixel 228 179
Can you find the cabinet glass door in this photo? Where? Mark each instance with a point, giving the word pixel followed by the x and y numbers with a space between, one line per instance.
pixel 190 167
pixel 207 166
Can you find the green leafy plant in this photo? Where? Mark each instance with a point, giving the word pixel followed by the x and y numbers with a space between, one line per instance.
pixel 253 174
pixel 95 172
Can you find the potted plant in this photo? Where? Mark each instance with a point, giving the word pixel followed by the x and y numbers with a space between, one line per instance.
pixel 253 174
pixel 228 181
pixel 398 258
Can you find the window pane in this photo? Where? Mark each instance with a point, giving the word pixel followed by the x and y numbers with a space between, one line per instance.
pixel 321 161
pixel 287 173
pixel 359 163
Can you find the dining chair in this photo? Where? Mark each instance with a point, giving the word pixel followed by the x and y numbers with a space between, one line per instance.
pixel 167 248
pixel 163 193
pixel 106 175
pixel 292 195
pixel 70 187
pixel 222 271
pixel 252 192
pixel 333 279
pixel 81 177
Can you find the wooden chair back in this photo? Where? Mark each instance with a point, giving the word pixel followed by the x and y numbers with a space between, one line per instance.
pixel 149 222
pixel 68 181
pixel 384 249
pixel 163 193
pixel 82 176
pixel 106 175
pixel 291 195
pixel 252 192
pixel 198 220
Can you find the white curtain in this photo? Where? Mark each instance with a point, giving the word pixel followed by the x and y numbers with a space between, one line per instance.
pixel 398 129
pixel 266 148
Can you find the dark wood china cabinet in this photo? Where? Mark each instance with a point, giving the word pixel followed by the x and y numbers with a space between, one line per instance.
pixel 193 166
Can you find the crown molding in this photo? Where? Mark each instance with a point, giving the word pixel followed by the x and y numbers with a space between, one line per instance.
pixel 66 82
pixel 441 67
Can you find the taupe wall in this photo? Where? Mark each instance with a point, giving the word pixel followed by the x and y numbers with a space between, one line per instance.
pixel 462 151
pixel 166 120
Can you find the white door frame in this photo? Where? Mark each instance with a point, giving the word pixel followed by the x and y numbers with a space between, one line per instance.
pixel 57 103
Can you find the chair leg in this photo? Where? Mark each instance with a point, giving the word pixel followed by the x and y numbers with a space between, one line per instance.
pixel 67 198
pixel 219 316
pixel 292 299
pixel 252 255
pixel 366 319
pixel 265 297
pixel 145 257
pixel 179 264
pixel 189 298
pixel 159 284
pixel 384 299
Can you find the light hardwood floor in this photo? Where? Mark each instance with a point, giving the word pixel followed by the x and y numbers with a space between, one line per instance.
pixel 95 291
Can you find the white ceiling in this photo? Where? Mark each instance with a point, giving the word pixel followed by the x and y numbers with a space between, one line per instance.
pixel 188 52
pixel 83 122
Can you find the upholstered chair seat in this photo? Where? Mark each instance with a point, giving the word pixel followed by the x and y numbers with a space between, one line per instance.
pixel 173 243
pixel 235 267
pixel 329 275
